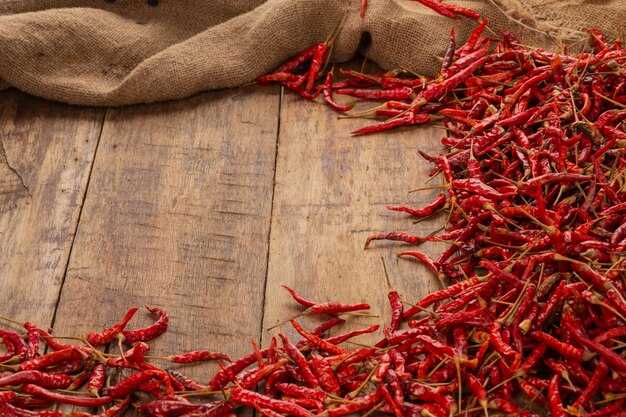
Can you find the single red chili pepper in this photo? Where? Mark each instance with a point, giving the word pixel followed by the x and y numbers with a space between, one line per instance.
pixel 54 358
pixel 107 336
pixel 564 349
pixel 396 236
pixel 335 340
pixel 406 120
pixel 186 381
pixel 402 93
pixel 317 341
pixel 425 259
pixel 223 376
pixel 297 60
pixel 150 332
pixel 252 379
pixel 16 341
pixel 396 407
pixel 613 333
pixel 299 298
pixel 298 391
pixel 10 410
pixel 350 358
pixel 39 378
pixel 365 403
pixel 132 383
pixel 319 330
pixel 438 7
pixel 277 77
pixel 325 375
pixel 328 95
pixel 498 344
pixel 554 398
pixel 594 385
pixel 31 402
pixel 332 307
pixel 477 389
pixel 428 210
pixel 109 412
pixel 426 393
pixel 301 361
pixel 449 55
pixel 466 60
pixel 64 398
pixel 33 339
pixel 550 306
pixel 441 295
pixel 610 410
pixel 197 356
pixel 435 91
pixel 397 308
pixel 316 65
pixel 473 40
pixel 96 379
pixel 254 399
pixel 473 185
pixel 462 11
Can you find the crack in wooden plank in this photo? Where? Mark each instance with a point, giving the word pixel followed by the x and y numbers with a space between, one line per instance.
pixel 11 168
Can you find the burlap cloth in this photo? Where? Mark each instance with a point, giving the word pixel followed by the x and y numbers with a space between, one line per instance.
pixel 111 53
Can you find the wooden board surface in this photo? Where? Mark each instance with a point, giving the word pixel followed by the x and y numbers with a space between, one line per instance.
pixel 331 193
pixel 177 216
pixel 46 153
pixel 204 207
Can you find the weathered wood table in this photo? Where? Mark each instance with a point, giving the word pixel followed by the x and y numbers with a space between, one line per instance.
pixel 204 207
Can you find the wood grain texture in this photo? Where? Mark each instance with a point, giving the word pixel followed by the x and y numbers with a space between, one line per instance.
pixel 177 216
pixel 46 152
pixel 330 195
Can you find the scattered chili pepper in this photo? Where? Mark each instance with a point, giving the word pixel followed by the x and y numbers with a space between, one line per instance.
pixel 107 336
pixel 150 332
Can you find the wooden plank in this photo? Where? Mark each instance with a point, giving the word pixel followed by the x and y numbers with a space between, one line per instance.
pixel 177 216
pixel 46 152
pixel 330 195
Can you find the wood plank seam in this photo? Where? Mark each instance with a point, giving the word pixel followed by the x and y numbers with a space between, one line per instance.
pixel 80 212
pixel 269 232
pixel 12 168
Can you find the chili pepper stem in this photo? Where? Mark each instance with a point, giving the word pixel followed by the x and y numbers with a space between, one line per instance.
pixel 356 392
pixel 10 320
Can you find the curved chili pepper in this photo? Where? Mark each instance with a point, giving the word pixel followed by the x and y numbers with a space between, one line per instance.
pixel 150 332
pixel 425 211
pixel 315 340
pixel 107 336
pixel 328 95
pixel 16 341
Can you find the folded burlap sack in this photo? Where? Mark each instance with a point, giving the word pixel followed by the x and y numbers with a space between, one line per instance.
pixel 116 52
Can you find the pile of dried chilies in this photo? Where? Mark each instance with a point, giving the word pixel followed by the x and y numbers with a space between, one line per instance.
pixel 535 181
pixel 534 317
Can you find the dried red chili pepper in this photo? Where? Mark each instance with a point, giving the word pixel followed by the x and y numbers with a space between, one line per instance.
pixel 107 336
pixel 150 332
pixel 254 399
pixel 65 399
